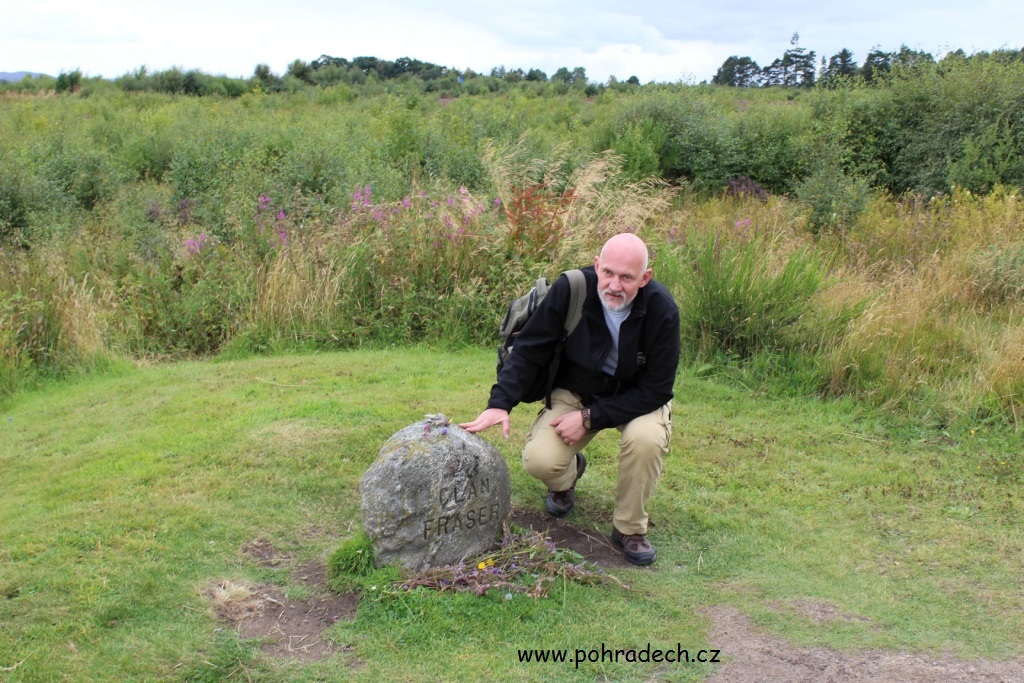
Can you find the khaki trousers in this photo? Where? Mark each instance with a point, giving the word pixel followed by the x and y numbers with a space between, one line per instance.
pixel 642 448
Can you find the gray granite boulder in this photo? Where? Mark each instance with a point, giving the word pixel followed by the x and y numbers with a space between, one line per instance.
pixel 435 495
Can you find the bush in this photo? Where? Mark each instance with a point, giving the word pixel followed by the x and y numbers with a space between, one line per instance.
pixel 736 302
pixel 835 200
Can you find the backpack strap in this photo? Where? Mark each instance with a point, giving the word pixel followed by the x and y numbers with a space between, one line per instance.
pixel 577 293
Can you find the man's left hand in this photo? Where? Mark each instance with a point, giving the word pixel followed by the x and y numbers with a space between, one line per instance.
pixel 569 427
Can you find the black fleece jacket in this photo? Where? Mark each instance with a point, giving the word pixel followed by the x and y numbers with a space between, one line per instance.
pixel 648 354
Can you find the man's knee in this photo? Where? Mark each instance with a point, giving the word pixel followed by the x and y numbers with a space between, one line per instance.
pixel 541 465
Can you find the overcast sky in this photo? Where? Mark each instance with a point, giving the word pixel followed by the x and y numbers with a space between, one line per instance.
pixel 654 40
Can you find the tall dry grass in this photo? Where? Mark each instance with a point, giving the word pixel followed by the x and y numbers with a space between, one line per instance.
pixel 941 336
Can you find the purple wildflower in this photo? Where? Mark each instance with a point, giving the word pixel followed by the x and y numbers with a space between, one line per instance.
pixel 195 245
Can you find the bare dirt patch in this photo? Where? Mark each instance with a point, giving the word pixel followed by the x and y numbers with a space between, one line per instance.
pixel 750 656
pixel 289 627
pixel 594 547
pixel 818 611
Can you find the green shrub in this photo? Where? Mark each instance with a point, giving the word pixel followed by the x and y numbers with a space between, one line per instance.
pixel 835 200
pixel 735 302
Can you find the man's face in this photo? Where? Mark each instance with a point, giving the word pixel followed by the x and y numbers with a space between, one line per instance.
pixel 620 275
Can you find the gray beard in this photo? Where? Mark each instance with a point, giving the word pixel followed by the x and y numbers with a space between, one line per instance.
pixel 626 303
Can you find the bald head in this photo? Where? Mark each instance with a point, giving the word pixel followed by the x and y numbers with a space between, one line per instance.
pixel 621 270
pixel 626 247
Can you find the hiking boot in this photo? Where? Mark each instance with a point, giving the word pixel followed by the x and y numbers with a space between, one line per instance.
pixel 638 549
pixel 561 503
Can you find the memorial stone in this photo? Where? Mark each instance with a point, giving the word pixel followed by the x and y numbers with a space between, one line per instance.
pixel 435 495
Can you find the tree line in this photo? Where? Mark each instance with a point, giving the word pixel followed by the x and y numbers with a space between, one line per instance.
pixel 323 72
pixel 797 68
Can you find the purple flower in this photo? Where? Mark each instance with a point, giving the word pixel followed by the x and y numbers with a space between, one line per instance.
pixel 281 216
pixel 497 201
pixel 195 245
pixel 264 202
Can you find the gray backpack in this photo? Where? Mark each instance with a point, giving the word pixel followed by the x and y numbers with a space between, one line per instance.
pixel 520 310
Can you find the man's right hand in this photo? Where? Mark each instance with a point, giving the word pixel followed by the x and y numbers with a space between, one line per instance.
pixel 489 418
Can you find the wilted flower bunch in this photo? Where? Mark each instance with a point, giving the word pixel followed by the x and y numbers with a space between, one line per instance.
pixel 438 420
pixel 527 562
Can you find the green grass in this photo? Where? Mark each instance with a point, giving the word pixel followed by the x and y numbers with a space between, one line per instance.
pixel 124 497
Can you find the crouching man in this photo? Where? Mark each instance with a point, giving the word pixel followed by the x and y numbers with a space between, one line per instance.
pixel 617 369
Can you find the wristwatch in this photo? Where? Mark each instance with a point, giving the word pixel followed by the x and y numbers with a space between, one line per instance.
pixel 586 418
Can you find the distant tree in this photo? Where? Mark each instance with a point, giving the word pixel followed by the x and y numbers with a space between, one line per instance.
pixel 794 69
pixel 740 72
pixel 266 78
pixel 514 75
pixel 68 81
pixel 300 70
pixel 536 75
pixel 574 77
pixel 365 64
pixel 907 59
pixel 327 60
pixel 194 83
pixel 876 64
pixel 633 80
pixel 840 66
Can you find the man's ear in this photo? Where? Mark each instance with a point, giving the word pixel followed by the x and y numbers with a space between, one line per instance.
pixel 646 277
